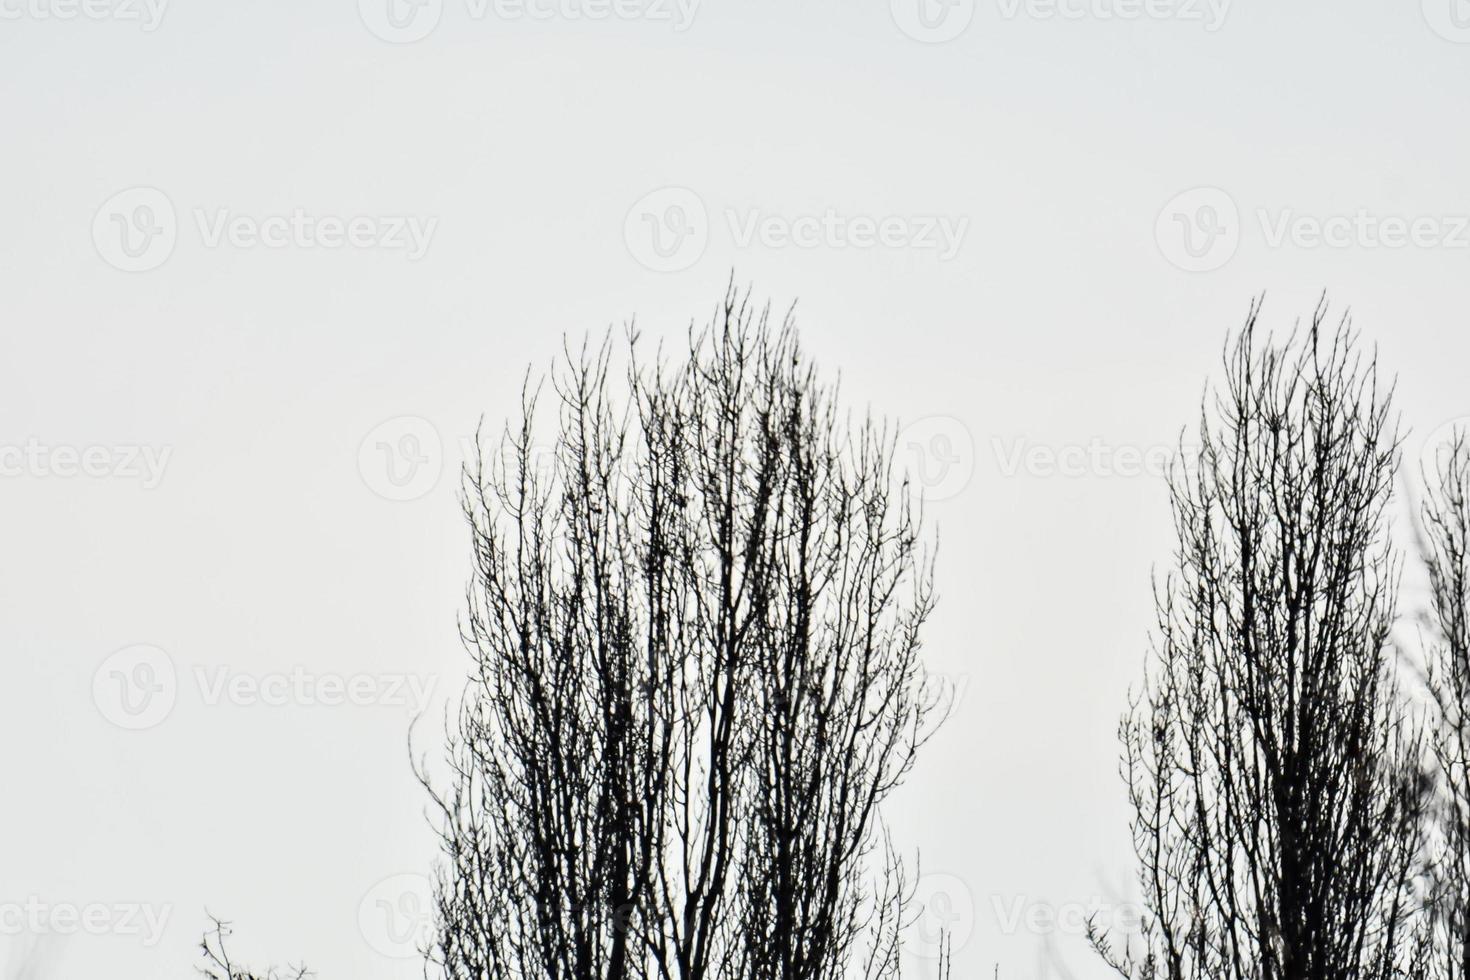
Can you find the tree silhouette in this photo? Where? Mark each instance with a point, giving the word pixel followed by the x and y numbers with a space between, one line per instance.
pixel 694 625
pixel 219 966
pixel 1275 776
pixel 1444 544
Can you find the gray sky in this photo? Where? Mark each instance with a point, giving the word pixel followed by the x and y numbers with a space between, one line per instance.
pixel 265 265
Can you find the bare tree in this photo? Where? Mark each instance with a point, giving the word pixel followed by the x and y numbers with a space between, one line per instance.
pixel 1444 545
pixel 694 623
pixel 1275 775
pixel 219 966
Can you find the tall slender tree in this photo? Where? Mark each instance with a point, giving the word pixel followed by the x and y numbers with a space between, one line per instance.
pixel 1274 773
pixel 694 627
pixel 1444 545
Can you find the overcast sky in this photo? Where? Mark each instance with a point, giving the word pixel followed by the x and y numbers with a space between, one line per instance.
pixel 265 265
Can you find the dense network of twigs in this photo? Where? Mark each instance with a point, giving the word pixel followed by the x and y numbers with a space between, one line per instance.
pixel 1275 774
pixel 694 621
pixel 1444 543
pixel 694 626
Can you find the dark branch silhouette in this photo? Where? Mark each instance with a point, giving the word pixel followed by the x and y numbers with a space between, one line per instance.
pixel 1444 544
pixel 1275 776
pixel 219 966
pixel 694 622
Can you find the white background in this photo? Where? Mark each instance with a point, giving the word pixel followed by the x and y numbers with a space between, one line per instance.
pixel 1067 318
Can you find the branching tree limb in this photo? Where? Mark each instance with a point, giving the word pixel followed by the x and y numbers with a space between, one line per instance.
pixel 694 624
pixel 1275 776
pixel 1444 544
pixel 219 966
